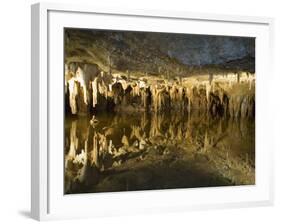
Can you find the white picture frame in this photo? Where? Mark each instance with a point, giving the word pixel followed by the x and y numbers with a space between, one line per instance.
pixel 47 200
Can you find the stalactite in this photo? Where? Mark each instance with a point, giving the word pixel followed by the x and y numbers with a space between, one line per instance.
pixel 135 90
pixel 73 92
pixel 208 90
pixel 189 94
pixel 142 84
pixel 102 88
pixel 244 107
pixel 194 93
pixel 95 92
pixel 251 80
pixel 110 146
pixel 144 97
pixel 124 84
pixel 180 93
pixel 157 98
pixel 221 94
pixel 80 77
pixel 110 87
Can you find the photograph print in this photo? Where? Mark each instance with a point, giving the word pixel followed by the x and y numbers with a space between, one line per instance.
pixel 155 111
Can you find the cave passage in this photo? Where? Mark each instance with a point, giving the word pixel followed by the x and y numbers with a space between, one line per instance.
pixel 147 111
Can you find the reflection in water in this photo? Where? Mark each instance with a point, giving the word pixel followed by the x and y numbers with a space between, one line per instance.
pixel 142 151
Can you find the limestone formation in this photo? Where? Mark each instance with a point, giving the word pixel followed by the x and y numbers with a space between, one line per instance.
pixel 225 94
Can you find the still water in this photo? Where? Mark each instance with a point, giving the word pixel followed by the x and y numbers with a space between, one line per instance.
pixel 145 151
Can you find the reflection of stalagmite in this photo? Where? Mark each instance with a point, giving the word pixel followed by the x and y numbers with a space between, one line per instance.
pixel 80 158
pixel 95 151
pixel 179 133
pixel 171 132
pixel 144 120
pixel 103 146
pixel 125 141
pixel 94 121
pixel 83 160
pixel 73 143
pixel 155 128
pixel 142 144
pixel 136 132
pixel 206 142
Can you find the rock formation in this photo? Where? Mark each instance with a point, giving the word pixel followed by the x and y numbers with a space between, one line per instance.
pixel 226 94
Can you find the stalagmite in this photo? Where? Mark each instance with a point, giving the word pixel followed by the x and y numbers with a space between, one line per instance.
pixel 95 92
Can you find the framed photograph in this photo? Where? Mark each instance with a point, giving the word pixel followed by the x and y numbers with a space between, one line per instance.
pixel 138 111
